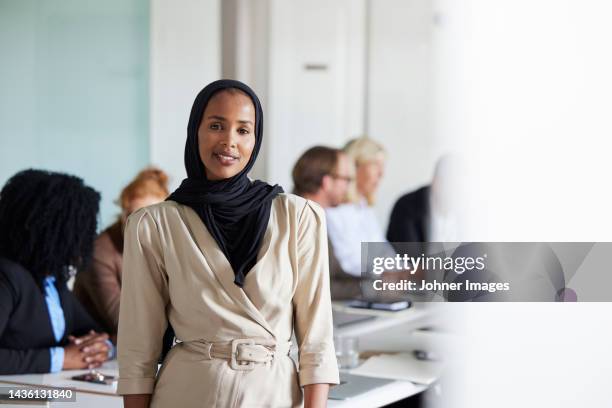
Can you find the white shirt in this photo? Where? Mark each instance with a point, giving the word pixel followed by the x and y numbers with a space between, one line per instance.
pixel 349 225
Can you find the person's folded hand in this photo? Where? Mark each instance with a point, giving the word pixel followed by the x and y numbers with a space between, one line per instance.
pixel 80 357
pixel 93 348
pixel 89 338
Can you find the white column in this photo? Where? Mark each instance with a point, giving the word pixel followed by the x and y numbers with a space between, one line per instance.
pixel 185 56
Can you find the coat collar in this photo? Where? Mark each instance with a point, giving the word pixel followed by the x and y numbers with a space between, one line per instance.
pixel 221 266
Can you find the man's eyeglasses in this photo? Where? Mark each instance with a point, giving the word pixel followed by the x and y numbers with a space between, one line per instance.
pixel 348 179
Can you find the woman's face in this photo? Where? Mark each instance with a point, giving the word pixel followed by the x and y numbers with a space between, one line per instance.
pixel 226 136
pixel 369 174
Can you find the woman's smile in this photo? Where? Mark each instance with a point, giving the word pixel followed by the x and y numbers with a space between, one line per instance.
pixel 226 158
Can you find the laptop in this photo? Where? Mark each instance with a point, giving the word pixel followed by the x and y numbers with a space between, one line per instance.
pixel 353 385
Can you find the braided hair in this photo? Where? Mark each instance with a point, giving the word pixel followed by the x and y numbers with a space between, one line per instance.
pixel 48 223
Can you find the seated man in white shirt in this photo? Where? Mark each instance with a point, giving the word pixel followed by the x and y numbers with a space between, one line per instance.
pixel 323 175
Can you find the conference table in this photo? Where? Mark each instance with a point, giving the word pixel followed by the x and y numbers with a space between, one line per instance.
pixel 97 395
pixel 87 394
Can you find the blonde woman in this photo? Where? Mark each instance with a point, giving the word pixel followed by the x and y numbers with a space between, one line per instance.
pixel 350 224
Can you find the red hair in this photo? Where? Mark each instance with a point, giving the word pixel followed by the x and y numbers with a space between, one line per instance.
pixel 150 181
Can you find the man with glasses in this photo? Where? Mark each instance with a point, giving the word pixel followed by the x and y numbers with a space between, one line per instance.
pixel 323 175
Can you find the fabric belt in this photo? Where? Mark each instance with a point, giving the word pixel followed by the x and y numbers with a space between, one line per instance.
pixel 242 354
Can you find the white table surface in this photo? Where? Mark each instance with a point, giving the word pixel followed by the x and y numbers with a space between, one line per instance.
pixel 85 397
pixel 419 315
pixel 381 396
pixel 371 335
pixel 87 394
pixel 388 331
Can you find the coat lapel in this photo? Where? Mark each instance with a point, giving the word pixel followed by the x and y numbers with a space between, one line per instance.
pixel 221 266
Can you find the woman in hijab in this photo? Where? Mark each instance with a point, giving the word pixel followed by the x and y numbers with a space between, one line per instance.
pixel 235 266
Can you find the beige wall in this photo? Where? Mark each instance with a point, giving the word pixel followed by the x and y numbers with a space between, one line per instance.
pixel 377 79
pixel 185 56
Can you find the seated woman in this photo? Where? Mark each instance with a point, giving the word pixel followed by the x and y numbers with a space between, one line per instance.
pixel 350 224
pixel 98 287
pixel 47 226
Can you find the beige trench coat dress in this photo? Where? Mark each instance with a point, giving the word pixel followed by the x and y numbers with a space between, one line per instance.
pixel 234 341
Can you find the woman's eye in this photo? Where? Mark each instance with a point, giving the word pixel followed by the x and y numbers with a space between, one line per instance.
pixel 243 131
pixel 215 126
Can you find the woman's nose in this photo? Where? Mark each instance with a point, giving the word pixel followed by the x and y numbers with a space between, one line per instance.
pixel 228 139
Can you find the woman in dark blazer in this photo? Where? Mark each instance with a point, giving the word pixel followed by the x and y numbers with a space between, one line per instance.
pixel 47 227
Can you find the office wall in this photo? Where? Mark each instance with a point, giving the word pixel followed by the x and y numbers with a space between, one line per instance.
pixel 245 56
pixel 103 89
pixel 375 78
pixel 74 79
pixel 400 95
pixel 306 62
pixel 185 56
pixel 316 79
pixel 377 81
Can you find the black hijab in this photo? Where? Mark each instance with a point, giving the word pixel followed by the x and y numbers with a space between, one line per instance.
pixel 235 210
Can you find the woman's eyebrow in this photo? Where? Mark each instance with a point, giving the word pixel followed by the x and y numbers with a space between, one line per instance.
pixel 217 117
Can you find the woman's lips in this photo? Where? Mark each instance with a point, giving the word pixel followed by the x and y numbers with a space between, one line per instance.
pixel 225 159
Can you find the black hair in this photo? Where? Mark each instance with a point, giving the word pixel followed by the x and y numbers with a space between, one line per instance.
pixel 48 223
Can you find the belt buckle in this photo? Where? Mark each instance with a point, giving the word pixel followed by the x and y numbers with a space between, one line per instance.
pixel 241 366
pixel 208 351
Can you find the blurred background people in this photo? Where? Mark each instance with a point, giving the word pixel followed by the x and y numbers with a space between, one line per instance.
pixel 350 224
pixel 324 174
pixel 47 228
pixel 409 71
pixel 430 213
pixel 99 286
pixel 410 217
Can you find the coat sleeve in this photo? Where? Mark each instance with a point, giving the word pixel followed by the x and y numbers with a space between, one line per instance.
pixel 104 288
pixel 29 361
pixel 142 312
pixel 312 301
pixel 394 230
